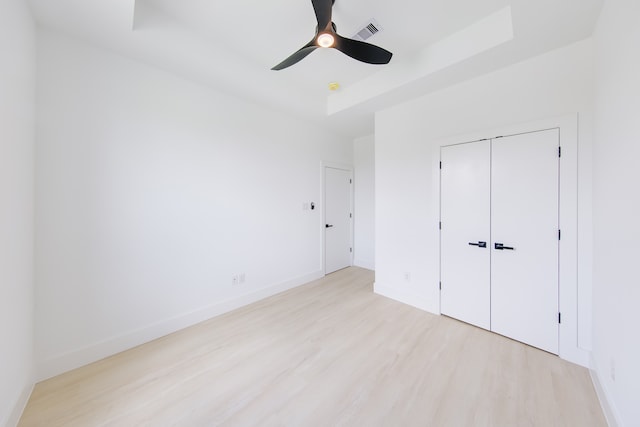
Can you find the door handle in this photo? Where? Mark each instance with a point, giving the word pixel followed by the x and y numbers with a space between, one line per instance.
pixel 328 225
pixel 501 247
pixel 479 244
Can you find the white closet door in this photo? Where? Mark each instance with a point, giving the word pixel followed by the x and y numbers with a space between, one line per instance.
pixel 337 231
pixel 524 216
pixel 465 210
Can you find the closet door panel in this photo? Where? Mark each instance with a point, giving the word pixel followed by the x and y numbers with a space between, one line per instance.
pixel 524 220
pixel 465 209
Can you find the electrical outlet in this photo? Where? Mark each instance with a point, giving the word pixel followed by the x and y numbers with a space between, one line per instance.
pixel 235 280
pixel 407 276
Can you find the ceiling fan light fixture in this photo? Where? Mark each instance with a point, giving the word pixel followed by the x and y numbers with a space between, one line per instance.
pixel 325 40
pixel 326 36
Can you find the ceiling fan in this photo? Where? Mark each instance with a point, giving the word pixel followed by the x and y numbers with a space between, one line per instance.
pixel 326 37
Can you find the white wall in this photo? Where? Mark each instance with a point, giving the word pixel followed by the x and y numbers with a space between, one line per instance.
pixel 407 188
pixel 17 113
pixel 152 192
pixel 364 201
pixel 617 209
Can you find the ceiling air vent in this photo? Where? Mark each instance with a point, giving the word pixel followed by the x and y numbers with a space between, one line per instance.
pixel 369 29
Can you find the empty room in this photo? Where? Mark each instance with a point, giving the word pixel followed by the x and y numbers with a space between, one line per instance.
pixel 319 213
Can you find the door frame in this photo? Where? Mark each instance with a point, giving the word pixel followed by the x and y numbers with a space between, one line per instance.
pixel 342 166
pixel 569 345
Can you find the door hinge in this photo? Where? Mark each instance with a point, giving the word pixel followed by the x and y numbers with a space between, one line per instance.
pixel 559 234
pixel 350 181
pixel 440 225
pixel 440 285
pixel 440 165
pixel 350 215
pixel 559 318
pixel 350 249
pixel 559 151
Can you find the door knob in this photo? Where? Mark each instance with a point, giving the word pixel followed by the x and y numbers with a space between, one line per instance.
pixel 328 225
pixel 501 247
pixel 479 244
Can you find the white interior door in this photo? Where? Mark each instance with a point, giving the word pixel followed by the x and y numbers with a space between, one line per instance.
pixel 524 219
pixel 465 233
pixel 337 231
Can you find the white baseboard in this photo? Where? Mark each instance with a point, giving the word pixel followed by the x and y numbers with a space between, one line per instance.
pixel 405 297
pixel 575 354
pixel 364 263
pixel 18 408
pixel 94 352
pixel 608 407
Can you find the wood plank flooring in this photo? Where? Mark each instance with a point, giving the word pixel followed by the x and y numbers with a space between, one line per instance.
pixel 330 353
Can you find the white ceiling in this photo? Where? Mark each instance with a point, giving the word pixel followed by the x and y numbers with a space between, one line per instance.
pixel 231 45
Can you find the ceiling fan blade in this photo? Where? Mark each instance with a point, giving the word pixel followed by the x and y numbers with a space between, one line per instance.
pixel 323 12
pixel 362 51
pixel 298 55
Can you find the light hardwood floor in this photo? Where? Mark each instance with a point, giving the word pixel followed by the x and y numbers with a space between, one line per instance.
pixel 330 353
